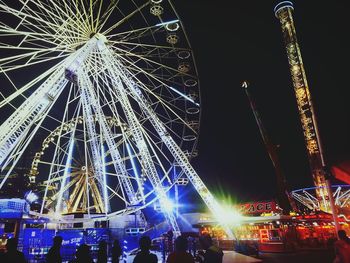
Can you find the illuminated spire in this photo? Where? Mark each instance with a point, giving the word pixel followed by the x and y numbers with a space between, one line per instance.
pixel 283 12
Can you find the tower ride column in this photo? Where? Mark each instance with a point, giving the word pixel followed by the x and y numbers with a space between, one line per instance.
pixel 283 11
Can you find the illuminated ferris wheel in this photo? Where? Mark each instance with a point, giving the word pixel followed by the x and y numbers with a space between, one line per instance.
pixel 110 90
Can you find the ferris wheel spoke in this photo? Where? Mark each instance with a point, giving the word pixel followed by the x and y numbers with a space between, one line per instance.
pixel 6 68
pixel 57 165
pixel 127 203
pixel 152 77
pixel 159 99
pixel 84 11
pixel 42 13
pixel 107 14
pixel 149 61
pixel 64 151
pixel 35 41
pixel 119 175
pixel 23 15
pixel 134 34
pixel 152 47
pixel 24 55
pixel 76 195
pixel 22 90
pixel 69 16
pixel 125 18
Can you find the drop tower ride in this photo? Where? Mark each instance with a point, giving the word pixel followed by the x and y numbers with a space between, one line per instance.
pixel 283 11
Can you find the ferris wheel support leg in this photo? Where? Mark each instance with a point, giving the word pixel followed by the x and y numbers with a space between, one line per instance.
pixel 178 154
pixel 137 132
pixel 92 135
pixel 117 160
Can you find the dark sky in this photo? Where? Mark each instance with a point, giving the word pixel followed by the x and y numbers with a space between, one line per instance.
pixel 242 40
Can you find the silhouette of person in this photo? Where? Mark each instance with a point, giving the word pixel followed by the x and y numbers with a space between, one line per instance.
pixel 192 245
pixel 12 254
pixel 213 254
pixel 144 256
pixel 102 252
pixel 180 255
pixel 116 251
pixel 54 255
pixel 342 248
pixel 82 255
pixel 170 236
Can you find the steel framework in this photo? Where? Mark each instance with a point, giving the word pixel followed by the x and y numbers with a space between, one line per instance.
pixel 111 89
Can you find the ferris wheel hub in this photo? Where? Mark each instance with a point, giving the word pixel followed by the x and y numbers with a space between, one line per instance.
pixel 100 37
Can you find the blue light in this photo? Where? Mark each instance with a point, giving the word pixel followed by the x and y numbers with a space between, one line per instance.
pixel 167 205
pixel 31 197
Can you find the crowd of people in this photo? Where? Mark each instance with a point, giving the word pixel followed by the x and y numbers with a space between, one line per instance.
pixel 181 254
pixel 82 255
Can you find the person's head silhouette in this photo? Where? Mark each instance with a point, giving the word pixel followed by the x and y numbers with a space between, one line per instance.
pixel 11 244
pixel 206 241
pixel 83 252
pixel 145 243
pixel 181 243
pixel 342 236
pixel 57 241
pixel 102 244
pixel 116 243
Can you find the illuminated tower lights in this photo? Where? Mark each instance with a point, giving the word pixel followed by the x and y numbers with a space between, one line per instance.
pixel 283 11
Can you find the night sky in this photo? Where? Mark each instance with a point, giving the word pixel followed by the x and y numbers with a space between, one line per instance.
pixel 241 40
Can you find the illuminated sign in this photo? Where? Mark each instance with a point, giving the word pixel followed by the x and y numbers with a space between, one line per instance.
pixel 258 207
pixel 71 237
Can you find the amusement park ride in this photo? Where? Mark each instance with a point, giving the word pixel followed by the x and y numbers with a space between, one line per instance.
pixel 321 197
pixel 108 93
pixel 325 199
pixel 110 88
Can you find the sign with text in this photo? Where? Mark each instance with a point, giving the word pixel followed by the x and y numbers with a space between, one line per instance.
pixel 258 207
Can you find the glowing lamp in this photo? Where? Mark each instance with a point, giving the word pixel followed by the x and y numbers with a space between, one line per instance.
pixel 230 216
pixel 31 197
pixel 167 205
